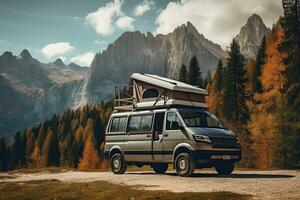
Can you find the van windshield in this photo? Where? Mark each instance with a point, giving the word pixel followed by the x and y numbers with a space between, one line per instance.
pixel 196 118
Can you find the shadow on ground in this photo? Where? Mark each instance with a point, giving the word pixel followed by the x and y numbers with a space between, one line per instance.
pixel 211 175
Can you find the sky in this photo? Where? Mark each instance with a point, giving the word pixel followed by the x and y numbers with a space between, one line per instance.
pixel 74 30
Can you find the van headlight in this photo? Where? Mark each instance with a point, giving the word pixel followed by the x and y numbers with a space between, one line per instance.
pixel 202 138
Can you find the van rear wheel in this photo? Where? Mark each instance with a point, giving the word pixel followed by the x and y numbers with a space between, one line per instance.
pixel 160 168
pixel 117 163
pixel 224 168
pixel 184 164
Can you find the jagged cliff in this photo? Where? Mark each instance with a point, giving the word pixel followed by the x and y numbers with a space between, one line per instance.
pixel 251 35
pixel 137 52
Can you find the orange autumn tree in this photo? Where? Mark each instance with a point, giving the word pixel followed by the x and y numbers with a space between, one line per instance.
pixel 262 113
pixel 90 159
pixel 214 88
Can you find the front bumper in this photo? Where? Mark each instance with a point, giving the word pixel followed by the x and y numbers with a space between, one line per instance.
pixel 211 155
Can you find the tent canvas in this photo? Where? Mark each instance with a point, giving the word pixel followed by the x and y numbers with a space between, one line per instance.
pixel 166 89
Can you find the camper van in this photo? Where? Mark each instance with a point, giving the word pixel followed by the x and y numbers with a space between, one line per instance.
pixel 167 122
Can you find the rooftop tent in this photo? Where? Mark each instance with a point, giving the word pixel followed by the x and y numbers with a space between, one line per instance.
pixel 157 91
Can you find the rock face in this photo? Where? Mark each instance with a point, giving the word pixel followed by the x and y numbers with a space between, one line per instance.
pixel 160 54
pixel 251 35
pixel 31 91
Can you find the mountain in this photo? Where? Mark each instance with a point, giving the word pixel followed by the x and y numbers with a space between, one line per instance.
pixel 137 52
pixel 251 35
pixel 59 72
pixel 31 91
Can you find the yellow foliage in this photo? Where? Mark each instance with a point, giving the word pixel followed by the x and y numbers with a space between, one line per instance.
pixel 90 159
pixel 262 121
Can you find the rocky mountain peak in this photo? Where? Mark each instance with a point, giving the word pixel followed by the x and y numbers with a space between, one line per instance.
pixel 59 62
pixel 251 35
pixel 25 54
pixel 6 56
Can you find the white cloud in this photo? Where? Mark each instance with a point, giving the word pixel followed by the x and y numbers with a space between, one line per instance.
pixel 56 49
pixel 143 7
pixel 100 42
pixel 84 59
pixel 102 19
pixel 77 18
pixel 125 23
pixel 218 20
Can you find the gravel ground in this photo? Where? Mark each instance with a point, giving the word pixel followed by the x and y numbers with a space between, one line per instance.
pixel 278 184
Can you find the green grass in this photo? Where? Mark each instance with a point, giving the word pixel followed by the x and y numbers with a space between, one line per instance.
pixel 53 189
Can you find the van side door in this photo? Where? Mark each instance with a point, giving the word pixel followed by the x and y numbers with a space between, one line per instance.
pixel 138 140
pixel 172 135
pixel 157 145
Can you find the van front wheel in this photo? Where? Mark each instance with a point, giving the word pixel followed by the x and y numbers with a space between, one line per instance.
pixel 160 168
pixel 117 163
pixel 184 164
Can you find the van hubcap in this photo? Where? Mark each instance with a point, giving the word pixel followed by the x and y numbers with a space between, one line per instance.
pixel 116 163
pixel 182 164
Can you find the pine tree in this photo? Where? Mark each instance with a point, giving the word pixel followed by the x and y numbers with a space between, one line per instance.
pixel 50 152
pixel 183 74
pixel 194 73
pixel 90 159
pixel 234 98
pixel 15 152
pixel 215 88
pixel 54 153
pixel 235 109
pixel 98 131
pixel 4 155
pixel 89 129
pixel 29 147
pixel 23 162
pixel 259 62
pixel 69 153
pixel 207 79
pixel 290 48
pixel 46 148
pixel 36 156
pixel 219 77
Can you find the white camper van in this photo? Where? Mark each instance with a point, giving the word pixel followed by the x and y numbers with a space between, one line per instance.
pixel 167 122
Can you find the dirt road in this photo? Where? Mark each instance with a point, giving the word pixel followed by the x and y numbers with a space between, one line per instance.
pixel 281 184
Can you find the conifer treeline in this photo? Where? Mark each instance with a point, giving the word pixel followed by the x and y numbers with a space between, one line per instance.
pixel 260 99
pixel 72 139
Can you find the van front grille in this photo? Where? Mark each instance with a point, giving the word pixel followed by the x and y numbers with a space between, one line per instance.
pixel 220 142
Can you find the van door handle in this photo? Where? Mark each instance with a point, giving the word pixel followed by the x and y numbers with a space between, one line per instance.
pixel 166 135
pixel 148 136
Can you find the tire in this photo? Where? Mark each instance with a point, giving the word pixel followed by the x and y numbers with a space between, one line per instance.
pixel 184 164
pixel 160 168
pixel 117 163
pixel 224 168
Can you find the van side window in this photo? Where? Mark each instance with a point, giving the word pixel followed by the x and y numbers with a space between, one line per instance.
pixel 159 121
pixel 146 123
pixel 134 123
pixel 142 123
pixel 118 124
pixel 172 119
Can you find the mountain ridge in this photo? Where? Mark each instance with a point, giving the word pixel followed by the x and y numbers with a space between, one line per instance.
pixel 251 35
